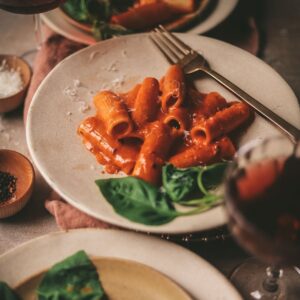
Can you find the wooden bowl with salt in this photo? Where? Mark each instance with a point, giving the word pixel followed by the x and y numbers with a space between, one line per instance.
pixel 14 99
pixel 15 165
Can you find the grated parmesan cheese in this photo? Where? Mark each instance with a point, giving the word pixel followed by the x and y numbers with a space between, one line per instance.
pixel 84 107
pixel 10 80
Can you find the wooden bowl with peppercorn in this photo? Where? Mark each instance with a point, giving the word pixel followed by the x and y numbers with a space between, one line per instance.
pixel 16 182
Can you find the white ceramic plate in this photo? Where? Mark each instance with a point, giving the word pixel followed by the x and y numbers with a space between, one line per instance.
pixel 57 22
pixel 118 64
pixel 189 271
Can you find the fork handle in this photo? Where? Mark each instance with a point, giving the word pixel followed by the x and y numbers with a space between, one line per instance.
pixel 292 132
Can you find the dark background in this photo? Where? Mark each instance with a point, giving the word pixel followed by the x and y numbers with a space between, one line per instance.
pixel 278 22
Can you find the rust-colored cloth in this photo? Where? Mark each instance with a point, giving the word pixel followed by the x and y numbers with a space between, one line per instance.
pixel 56 48
pixel 53 50
pixel 69 217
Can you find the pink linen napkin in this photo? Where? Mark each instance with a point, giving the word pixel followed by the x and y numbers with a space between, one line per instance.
pixel 53 50
pixel 69 217
pixel 56 48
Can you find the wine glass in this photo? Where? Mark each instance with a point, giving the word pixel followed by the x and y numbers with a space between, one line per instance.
pixel 262 199
pixel 31 7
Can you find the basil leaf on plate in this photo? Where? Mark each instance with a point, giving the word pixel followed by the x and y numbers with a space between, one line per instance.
pixel 74 278
pixel 6 293
pixel 104 30
pixel 137 200
pixel 179 183
pixel 77 10
pixel 210 177
pixel 207 201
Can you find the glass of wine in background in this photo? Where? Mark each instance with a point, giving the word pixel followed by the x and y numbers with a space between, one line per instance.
pixel 262 198
pixel 31 7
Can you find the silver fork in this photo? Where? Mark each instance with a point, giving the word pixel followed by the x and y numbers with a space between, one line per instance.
pixel 177 52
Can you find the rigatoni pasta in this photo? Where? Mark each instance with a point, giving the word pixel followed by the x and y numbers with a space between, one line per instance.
pixel 129 97
pixel 146 103
pixel 159 122
pixel 173 88
pixel 222 122
pixel 105 146
pixel 177 119
pixel 145 16
pixel 113 113
pixel 201 154
pixel 154 152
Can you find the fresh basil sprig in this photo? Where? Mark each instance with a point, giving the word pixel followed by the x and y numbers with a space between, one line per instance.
pixel 104 30
pixel 98 14
pixel 210 177
pixel 74 278
pixel 179 183
pixel 143 203
pixel 137 200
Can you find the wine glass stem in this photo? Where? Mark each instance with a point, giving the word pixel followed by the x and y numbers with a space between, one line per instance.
pixel 38 30
pixel 271 283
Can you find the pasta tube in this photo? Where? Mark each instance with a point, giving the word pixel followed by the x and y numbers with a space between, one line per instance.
pixel 129 97
pixel 208 106
pixel 147 102
pixel 177 119
pixel 145 16
pixel 202 154
pixel 112 112
pixel 100 143
pixel 135 138
pixel 222 122
pixel 153 153
pixel 173 88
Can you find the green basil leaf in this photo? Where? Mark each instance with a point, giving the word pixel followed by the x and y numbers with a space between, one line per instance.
pixel 90 11
pixel 137 200
pixel 203 204
pixel 179 183
pixel 74 278
pixel 77 10
pixel 208 200
pixel 103 30
pixel 6 293
pixel 210 177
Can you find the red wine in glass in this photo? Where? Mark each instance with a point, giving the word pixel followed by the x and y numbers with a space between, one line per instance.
pixel 263 203
pixel 29 6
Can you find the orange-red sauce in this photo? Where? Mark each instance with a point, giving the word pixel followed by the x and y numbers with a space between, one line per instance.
pixel 176 143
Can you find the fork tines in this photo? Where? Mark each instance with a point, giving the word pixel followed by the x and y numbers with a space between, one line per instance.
pixel 172 47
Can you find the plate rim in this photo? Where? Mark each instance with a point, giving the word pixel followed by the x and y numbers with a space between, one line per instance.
pixel 209 23
pixel 128 224
pixel 41 242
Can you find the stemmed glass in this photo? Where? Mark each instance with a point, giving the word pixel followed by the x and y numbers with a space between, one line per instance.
pixel 262 198
pixel 31 7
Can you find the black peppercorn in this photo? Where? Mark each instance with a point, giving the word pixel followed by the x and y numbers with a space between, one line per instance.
pixel 7 186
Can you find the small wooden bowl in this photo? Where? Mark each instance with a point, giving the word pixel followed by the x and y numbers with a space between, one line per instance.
pixel 19 166
pixel 13 101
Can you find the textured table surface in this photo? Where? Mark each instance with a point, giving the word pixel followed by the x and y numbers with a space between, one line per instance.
pixel 280 47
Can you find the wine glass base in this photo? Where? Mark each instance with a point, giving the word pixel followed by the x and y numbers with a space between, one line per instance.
pixel 250 275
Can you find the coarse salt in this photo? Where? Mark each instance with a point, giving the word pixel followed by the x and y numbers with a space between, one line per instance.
pixel 10 80
pixel 84 107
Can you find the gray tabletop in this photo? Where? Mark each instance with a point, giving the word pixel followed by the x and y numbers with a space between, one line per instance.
pixel 280 47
